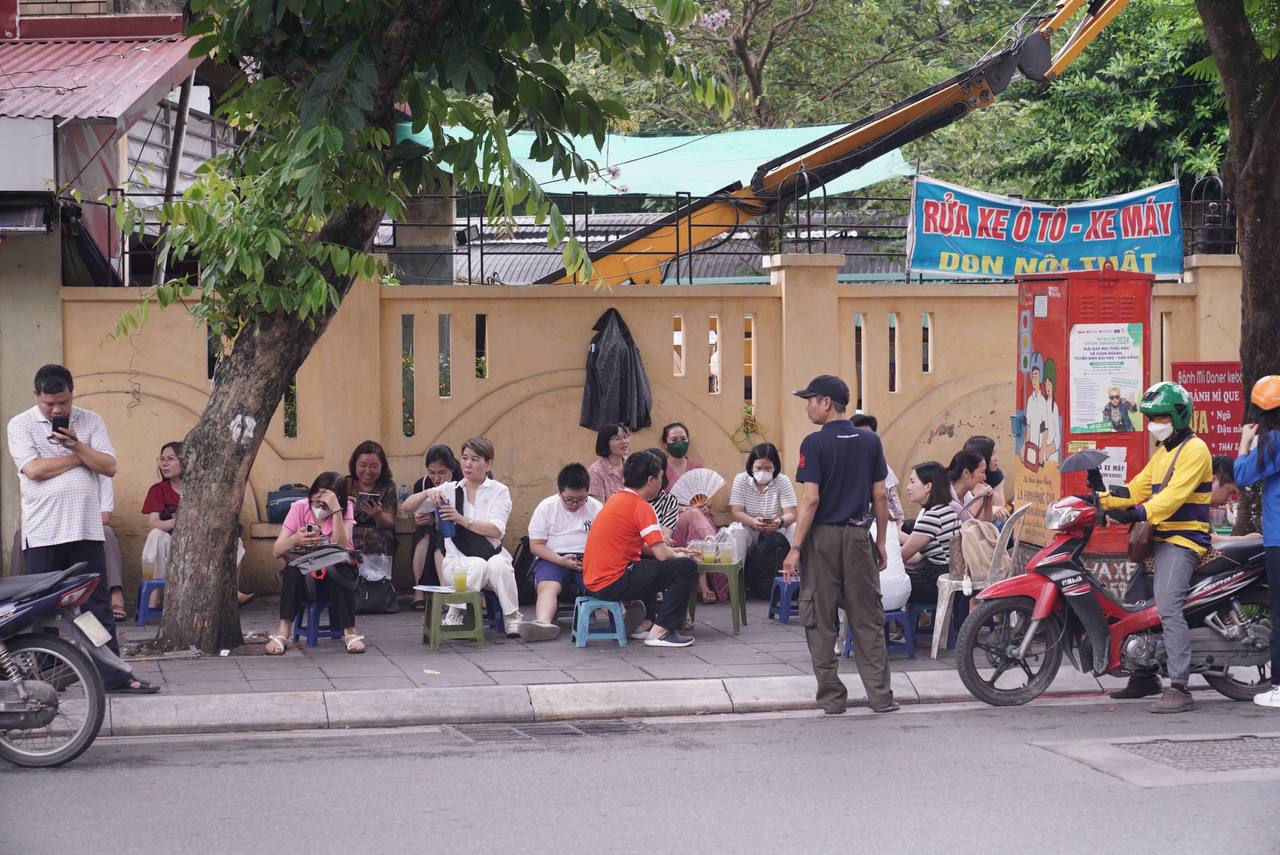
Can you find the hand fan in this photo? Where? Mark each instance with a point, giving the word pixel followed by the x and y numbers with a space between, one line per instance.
pixel 696 486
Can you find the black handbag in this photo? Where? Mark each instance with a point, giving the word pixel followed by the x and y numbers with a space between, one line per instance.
pixel 468 542
pixel 376 598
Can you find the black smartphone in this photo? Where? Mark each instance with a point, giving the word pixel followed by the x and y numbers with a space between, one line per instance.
pixel 311 528
pixel 373 498
pixel 60 423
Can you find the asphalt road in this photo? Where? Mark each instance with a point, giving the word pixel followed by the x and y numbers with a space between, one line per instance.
pixel 955 779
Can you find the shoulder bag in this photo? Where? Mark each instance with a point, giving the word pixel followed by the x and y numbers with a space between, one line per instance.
pixel 468 542
pixel 1140 534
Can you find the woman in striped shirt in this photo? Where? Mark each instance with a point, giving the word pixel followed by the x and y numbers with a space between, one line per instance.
pixel 927 550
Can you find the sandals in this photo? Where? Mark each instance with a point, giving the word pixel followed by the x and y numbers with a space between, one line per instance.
pixel 143 688
pixel 708 598
pixel 118 614
pixel 355 643
pixel 418 605
pixel 281 641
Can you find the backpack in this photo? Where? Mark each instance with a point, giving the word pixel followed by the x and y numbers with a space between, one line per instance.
pixel 522 561
pixel 764 562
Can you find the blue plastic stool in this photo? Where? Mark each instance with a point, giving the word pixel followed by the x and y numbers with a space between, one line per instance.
pixel 781 604
pixel 147 587
pixel 493 612
pixel 915 610
pixel 583 610
pixel 307 622
pixel 908 643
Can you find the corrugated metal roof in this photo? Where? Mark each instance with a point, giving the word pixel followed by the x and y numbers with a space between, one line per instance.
pixel 115 80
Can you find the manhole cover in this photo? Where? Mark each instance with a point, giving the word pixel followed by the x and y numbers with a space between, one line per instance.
pixel 1160 761
pixel 1211 755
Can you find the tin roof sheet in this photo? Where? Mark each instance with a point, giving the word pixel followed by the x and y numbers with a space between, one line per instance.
pixel 115 80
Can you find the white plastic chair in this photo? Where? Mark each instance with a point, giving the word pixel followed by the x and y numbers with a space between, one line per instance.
pixel 1002 565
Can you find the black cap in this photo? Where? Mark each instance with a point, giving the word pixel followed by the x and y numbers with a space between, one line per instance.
pixel 826 385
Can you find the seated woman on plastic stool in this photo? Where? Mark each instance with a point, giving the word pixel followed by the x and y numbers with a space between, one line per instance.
pixel 161 509
pixel 927 549
pixel 326 515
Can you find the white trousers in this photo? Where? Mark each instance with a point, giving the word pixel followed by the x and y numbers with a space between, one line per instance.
pixel 497 574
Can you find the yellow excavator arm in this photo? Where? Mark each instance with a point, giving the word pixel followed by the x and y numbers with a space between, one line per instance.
pixel 639 257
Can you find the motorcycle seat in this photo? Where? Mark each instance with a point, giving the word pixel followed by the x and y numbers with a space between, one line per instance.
pixel 1229 557
pixel 23 587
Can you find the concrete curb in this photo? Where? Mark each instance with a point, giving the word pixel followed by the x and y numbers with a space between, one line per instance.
pixel 275 711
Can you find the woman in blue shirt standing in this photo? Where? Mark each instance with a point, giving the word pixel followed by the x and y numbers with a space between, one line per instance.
pixel 1260 461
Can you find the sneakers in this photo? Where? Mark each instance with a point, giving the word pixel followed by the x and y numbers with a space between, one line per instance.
pixel 1139 686
pixel 454 617
pixel 671 639
pixel 1269 699
pixel 513 622
pixel 1174 700
pixel 537 630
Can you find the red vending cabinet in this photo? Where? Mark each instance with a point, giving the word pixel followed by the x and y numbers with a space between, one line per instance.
pixel 1084 360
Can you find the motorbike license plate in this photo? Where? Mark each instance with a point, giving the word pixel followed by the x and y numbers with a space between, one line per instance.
pixel 93 628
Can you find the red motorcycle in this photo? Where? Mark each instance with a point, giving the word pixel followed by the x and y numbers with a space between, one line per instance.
pixel 1011 646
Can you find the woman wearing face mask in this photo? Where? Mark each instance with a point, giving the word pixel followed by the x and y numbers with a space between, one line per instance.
pixel 1172 493
pixel 324 516
pixel 428 545
pixel 763 498
pixel 675 442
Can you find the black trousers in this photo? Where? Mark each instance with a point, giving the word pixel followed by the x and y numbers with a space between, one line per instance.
pixel 675 578
pixel 924 582
pixel 1273 584
pixel 293 595
pixel 49 559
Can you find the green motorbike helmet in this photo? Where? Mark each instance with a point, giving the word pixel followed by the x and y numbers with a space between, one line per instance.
pixel 1168 399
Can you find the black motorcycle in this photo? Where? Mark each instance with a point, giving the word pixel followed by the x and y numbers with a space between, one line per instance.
pixel 52 700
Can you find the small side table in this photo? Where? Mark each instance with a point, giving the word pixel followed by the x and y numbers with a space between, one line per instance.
pixel 737 592
pixel 433 629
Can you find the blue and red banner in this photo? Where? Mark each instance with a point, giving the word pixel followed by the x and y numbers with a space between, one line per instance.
pixel 960 232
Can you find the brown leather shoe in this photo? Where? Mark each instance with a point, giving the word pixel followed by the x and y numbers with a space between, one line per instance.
pixel 1173 700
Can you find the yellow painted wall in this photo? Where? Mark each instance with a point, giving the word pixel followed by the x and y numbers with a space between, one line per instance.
pixel 150 387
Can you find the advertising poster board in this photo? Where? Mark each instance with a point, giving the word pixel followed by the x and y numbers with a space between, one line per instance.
pixel 1217 389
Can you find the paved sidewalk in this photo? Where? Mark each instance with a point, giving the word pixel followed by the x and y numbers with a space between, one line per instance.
pixel 400 682
pixel 397 659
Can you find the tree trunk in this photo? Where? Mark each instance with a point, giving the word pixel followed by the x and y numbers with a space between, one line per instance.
pixel 1251 175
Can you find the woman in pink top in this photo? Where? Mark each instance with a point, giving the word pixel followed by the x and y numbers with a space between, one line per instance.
pixel 326 515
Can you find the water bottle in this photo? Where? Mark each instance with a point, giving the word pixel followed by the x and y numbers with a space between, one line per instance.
pixel 404 492
pixel 447 527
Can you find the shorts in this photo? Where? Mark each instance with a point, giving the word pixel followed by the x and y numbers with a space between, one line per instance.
pixel 545 571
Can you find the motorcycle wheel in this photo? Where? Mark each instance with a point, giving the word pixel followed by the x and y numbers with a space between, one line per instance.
pixel 82 702
pixel 1258 611
pixel 986 648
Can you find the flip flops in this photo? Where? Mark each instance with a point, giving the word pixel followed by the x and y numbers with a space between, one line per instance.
pixel 143 688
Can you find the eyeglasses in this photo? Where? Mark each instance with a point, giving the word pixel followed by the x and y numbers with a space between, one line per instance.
pixel 1114 397
pixel 160 461
pixel 574 502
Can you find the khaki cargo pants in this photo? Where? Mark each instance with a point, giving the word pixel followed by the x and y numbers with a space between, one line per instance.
pixel 838 569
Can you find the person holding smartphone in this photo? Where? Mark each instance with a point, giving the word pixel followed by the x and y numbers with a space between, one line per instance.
pixel 324 516
pixel 60 450
pixel 373 488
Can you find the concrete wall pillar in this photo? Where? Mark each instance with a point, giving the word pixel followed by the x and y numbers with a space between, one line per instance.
pixel 30 336
pixel 1217 281
pixel 425 242
pixel 810 336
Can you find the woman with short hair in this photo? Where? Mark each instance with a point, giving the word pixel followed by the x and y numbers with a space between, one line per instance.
pixel 428 545
pixel 613 444
pixel 480 521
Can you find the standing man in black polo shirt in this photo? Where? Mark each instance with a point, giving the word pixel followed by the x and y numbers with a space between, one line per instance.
pixel 841 475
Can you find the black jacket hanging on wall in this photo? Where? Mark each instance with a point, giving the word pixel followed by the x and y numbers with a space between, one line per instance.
pixel 617 389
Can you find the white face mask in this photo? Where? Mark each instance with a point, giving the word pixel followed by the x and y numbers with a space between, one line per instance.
pixel 762 477
pixel 1160 430
pixel 320 512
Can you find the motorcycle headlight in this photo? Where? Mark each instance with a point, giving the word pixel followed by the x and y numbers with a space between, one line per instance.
pixel 1059 517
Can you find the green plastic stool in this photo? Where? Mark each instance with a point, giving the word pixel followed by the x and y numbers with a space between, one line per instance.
pixel 433 629
pixel 737 592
